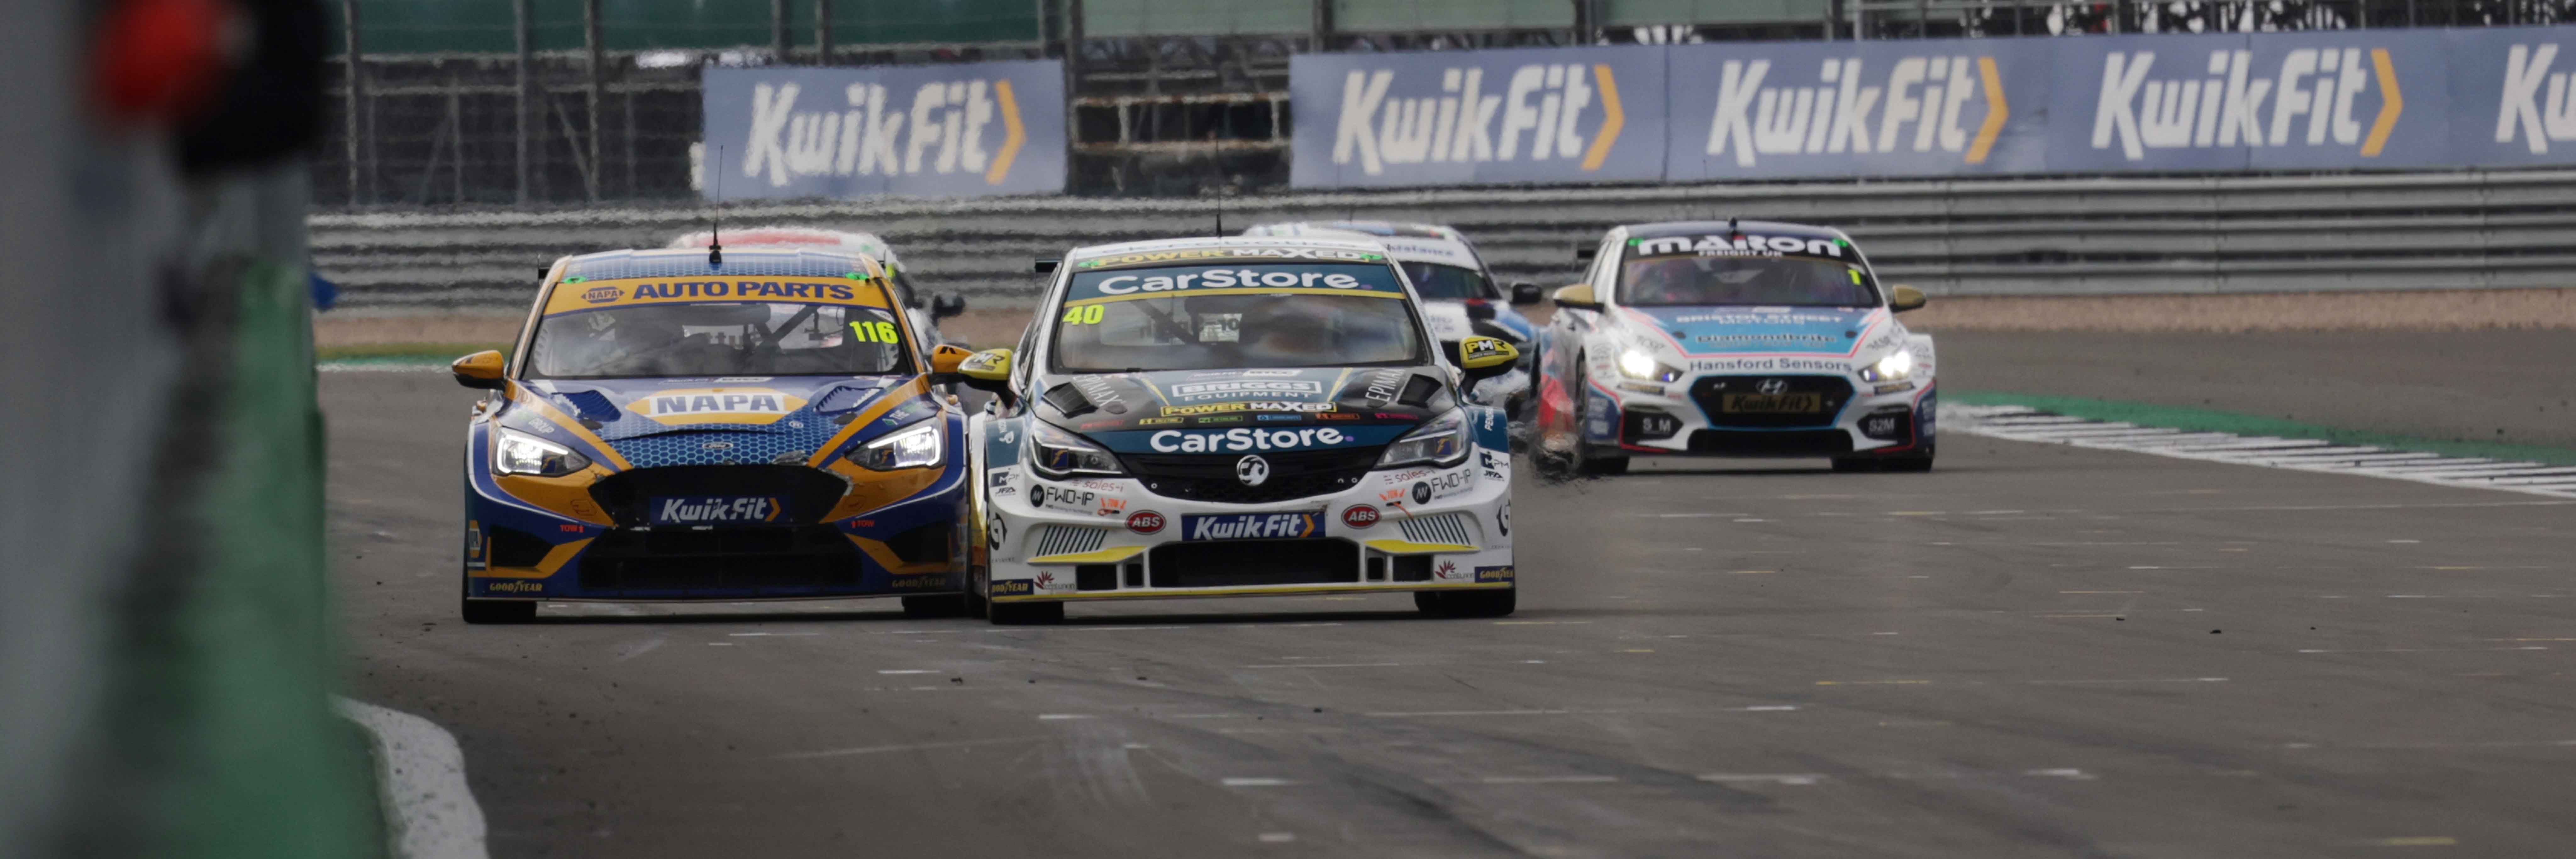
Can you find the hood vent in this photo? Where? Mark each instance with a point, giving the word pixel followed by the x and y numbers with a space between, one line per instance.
pixel 1418 391
pixel 843 398
pixel 1068 399
pixel 591 407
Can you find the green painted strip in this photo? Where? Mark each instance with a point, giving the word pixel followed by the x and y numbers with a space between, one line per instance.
pixel 2207 420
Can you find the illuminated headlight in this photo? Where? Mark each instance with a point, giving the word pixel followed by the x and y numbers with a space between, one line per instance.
pixel 1056 453
pixel 1897 365
pixel 521 453
pixel 1439 441
pixel 917 446
pixel 1637 364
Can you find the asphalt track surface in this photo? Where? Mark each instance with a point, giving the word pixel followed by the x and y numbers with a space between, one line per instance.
pixel 2032 651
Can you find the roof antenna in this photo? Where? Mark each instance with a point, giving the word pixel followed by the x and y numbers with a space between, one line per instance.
pixel 715 233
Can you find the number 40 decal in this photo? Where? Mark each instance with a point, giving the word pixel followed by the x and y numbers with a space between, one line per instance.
pixel 874 332
pixel 1089 315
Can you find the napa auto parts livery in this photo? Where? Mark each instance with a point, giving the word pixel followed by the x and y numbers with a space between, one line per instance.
pixel 2313 100
pixel 960 130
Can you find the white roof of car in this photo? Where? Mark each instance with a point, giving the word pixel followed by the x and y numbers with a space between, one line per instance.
pixel 1349 243
pixel 865 244
pixel 1406 242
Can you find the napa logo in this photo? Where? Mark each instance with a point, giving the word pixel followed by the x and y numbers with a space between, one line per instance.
pixel 603 294
pixel 717 406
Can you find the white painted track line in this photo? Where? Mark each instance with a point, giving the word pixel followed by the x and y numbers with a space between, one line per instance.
pixel 429 811
pixel 2023 424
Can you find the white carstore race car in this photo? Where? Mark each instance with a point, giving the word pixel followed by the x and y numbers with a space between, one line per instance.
pixel 1238 416
pixel 1753 339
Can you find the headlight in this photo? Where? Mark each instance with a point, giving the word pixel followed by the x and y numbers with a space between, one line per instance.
pixel 917 446
pixel 521 453
pixel 1637 364
pixel 1897 365
pixel 1056 453
pixel 1439 441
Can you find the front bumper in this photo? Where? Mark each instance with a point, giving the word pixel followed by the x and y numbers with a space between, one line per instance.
pixel 1691 416
pixel 1422 529
pixel 562 549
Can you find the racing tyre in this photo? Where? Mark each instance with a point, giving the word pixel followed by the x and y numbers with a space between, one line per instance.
pixel 1466 603
pixel 1023 613
pixel 935 605
pixel 1855 463
pixel 1587 463
pixel 976 605
pixel 499 611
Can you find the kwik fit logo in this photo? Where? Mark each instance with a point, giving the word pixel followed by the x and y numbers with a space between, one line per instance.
pixel 939 130
pixel 1917 104
pixel 2313 96
pixel 2537 106
pixel 1535 113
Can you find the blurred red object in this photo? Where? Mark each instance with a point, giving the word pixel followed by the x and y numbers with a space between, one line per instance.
pixel 160 60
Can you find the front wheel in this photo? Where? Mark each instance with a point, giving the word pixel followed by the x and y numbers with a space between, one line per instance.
pixel 1587 463
pixel 1467 603
pixel 498 611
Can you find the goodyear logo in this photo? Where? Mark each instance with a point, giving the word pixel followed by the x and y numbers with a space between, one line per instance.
pixel 1012 589
pixel 717 406
pixel 602 294
pixel 1502 574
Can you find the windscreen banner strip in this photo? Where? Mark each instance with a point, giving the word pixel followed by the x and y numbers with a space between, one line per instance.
pixel 570 296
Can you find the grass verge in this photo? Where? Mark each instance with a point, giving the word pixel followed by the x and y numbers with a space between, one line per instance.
pixel 2207 420
pixel 440 353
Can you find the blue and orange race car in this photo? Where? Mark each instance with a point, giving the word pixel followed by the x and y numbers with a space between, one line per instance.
pixel 685 425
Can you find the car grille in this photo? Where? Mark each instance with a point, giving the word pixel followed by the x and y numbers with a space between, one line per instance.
pixel 1225 563
pixel 681 562
pixel 1777 443
pixel 810 492
pixel 1293 475
pixel 1710 393
pixel 1450 528
pixel 1068 540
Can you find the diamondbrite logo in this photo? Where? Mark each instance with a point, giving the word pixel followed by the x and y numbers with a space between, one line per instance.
pixel 717 406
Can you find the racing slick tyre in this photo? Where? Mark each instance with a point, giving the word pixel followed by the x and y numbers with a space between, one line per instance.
pixel 976 584
pixel 1586 462
pixel 1914 464
pixel 1023 614
pixel 1846 464
pixel 935 605
pixel 1466 603
pixel 494 611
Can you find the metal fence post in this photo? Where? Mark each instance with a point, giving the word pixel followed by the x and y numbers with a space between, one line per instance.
pixel 822 32
pixel 353 91
pixel 527 84
pixel 598 71
pixel 778 32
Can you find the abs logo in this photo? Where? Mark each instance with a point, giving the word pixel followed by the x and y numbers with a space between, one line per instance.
pixel 717 406
pixel 1359 517
pixel 1145 522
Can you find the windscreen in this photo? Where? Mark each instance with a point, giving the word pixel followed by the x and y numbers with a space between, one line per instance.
pixel 1235 316
pixel 1436 282
pixel 718 339
pixel 1755 280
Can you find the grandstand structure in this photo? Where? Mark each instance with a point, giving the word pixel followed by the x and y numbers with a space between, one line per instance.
pixel 539 103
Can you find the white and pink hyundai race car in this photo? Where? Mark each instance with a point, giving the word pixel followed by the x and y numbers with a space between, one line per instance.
pixel 1743 339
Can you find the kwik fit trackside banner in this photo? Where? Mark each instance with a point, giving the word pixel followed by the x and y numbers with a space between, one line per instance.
pixel 2266 101
pixel 962 130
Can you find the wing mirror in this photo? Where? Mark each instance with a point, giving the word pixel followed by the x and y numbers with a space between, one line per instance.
pixel 1525 293
pixel 947 304
pixel 483 370
pixel 1904 298
pixel 1485 357
pixel 1578 296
